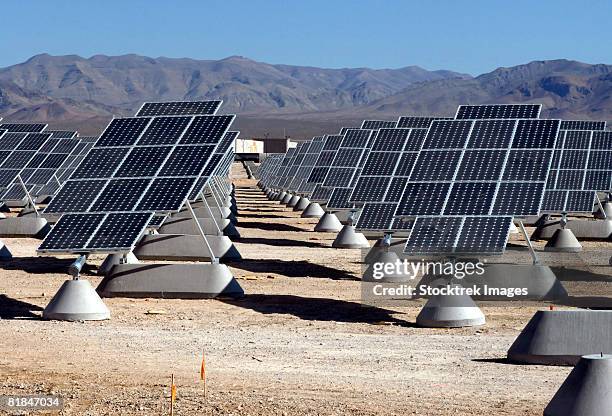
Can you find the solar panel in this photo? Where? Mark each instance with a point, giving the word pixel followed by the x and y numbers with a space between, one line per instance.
pixel 582 165
pixel 378 124
pixel 450 178
pixel 379 216
pixel 159 177
pixel 515 111
pixel 23 127
pixel 179 108
pixel 62 134
pixel 393 154
pixel 582 125
pixel 83 233
pixel 416 122
pixel 458 235
pixel 21 148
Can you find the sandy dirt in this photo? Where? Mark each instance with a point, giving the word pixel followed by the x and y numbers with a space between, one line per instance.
pixel 299 343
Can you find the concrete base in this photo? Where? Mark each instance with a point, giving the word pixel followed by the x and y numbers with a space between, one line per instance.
pixel 540 281
pixel 563 240
pixel 385 257
pixel 185 248
pixel 450 311
pixel 513 228
pixel 562 337
pixel 186 225
pixel 27 211
pixel 225 213
pixel 607 206
pixel 293 201
pixel 587 391
pixel 285 200
pixel 76 300
pixel 5 253
pixel 36 227
pixel 113 259
pixel 313 210
pixel 194 281
pixel 397 247
pixel 16 204
pixel 582 229
pixel 349 238
pixel 328 223
pixel 280 196
pixel 302 204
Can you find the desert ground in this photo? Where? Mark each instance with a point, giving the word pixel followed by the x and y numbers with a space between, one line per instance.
pixel 298 343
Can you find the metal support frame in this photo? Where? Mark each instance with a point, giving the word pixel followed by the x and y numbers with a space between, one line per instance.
pixel 601 208
pixel 534 256
pixel 213 259
pixel 219 231
pixel 217 203
pixel 28 196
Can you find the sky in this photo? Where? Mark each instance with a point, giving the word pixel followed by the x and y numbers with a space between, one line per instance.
pixel 471 36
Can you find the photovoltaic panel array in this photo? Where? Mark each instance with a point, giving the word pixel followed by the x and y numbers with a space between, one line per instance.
pixel 139 166
pixel 583 125
pixel 42 168
pixel 471 177
pixel 380 216
pixel 474 112
pixel 481 167
pixel 62 134
pixel 298 183
pixel 348 159
pixel 582 165
pixel 17 151
pixel 459 235
pixel 323 163
pixel 82 149
pixel 378 124
pixel 418 122
pixel 179 108
pixel 23 127
pixel 294 165
pixel 282 169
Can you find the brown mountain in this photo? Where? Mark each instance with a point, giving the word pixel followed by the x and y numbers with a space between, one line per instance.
pixel 70 91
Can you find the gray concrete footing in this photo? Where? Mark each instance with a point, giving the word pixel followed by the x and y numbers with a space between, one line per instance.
pixel 218 214
pixel 302 204
pixel 280 196
pixel 293 201
pixel 186 225
pixel 185 247
pixel 76 300
pixel 450 311
pixel 561 337
pixel 313 210
pixel 36 227
pixel 383 258
pixel 582 229
pixel 349 238
pixel 186 281
pixel 607 209
pixel 285 200
pixel 539 281
pixel 563 240
pixel 587 390
pixel 328 223
pixel 114 259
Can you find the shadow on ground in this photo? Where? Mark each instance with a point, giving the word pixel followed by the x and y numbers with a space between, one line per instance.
pixel 280 242
pixel 589 302
pixel 293 269
pixel 270 226
pixel 317 309
pixel 566 274
pixel 12 308
pixel 37 265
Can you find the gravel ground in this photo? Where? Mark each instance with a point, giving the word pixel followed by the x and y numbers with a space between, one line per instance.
pixel 299 343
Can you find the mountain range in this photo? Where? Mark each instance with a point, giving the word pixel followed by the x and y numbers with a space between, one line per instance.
pixel 84 93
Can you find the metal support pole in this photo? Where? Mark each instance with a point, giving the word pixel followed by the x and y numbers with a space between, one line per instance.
pixel 30 200
pixel 215 198
pixel 534 256
pixel 213 259
pixel 219 232
pixel 601 208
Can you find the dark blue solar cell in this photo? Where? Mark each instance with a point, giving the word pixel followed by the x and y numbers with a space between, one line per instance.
pixel 435 165
pixel 470 198
pixel 536 134
pixel 447 134
pixel 423 199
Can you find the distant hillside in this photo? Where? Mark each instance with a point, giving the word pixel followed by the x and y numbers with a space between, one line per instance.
pixel 74 92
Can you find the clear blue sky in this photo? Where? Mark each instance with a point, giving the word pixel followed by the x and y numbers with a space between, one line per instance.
pixel 472 36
